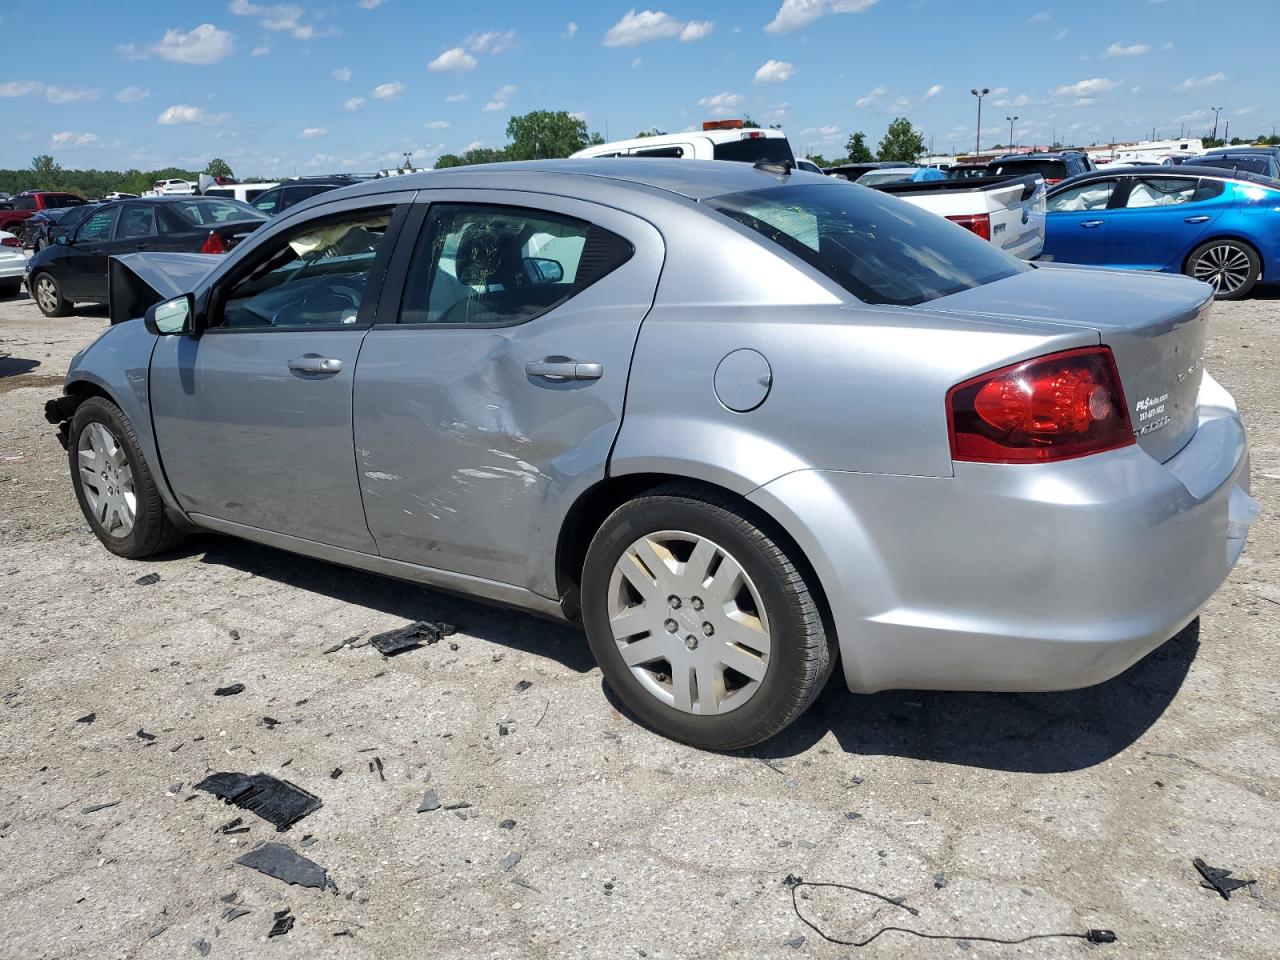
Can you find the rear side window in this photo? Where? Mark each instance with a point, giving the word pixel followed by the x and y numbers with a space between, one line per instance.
pixel 203 212
pixel 137 221
pixel 879 248
pixel 1170 191
pixel 757 150
pixel 499 266
pixel 23 203
pixel 673 152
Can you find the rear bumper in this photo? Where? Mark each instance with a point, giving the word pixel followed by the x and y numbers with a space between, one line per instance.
pixel 1025 577
pixel 12 268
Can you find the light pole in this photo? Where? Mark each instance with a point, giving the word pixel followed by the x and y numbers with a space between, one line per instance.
pixel 1011 119
pixel 977 141
pixel 1216 111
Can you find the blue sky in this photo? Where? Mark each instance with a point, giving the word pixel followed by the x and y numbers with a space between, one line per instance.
pixel 311 87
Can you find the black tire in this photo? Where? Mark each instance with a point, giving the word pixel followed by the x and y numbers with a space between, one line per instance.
pixel 54 304
pixel 152 531
pixel 1221 263
pixel 801 656
pixel 11 289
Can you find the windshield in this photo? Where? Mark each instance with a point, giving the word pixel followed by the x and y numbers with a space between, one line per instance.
pixel 1049 169
pixel 886 176
pixel 202 212
pixel 879 248
pixel 766 149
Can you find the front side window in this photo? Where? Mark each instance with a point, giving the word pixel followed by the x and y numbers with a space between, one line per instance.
pixel 1094 195
pixel 498 266
pixel 879 248
pixel 269 201
pixel 313 276
pixel 98 226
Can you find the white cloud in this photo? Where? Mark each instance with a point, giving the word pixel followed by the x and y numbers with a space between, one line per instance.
pixel 69 138
pixel 1042 17
pixel 132 94
pixel 1021 100
pixel 371 4
pixel 438 125
pixel 278 17
pixel 1244 111
pixel 816 136
pixel 491 42
pixel 1167 46
pixel 1086 88
pixel 794 14
pixel 570 29
pixel 311 133
pixel 388 91
pixel 1061 34
pixel 353 103
pixel 722 104
pixel 500 98
pixel 453 60
pixel 182 113
pixel 69 94
pixel 871 97
pixel 637 62
pixel 20 88
pixel 579 115
pixel 900 104
pixel 932 92
pixel 648 25
pixel 1126 50
pixel 342 74
pixel 1085 101
pixel 455 98
pixel 775 71
pixel 204 45
pixel 260 51
pixel 1193 83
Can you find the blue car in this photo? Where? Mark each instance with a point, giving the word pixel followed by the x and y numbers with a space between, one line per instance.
pixel 1219 227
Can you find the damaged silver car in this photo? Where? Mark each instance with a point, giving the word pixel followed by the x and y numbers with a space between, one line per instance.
pixel 742 423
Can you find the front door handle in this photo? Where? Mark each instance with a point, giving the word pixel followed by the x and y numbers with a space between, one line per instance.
pixel 1200 219
pixel 1091 223
pixel 314 363
pixel 565 370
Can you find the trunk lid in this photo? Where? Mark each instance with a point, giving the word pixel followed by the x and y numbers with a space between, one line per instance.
pixel 1155 325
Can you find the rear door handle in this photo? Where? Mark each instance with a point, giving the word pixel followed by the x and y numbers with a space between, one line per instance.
pixel 565 370
pixel 1092 223
pixel 1201 219
pixel 314 363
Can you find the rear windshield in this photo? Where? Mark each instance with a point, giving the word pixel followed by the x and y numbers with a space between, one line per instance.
pixel 879 248
pixel 767 149
pixel 1049 169
pixel 202 212
pixel 1251 164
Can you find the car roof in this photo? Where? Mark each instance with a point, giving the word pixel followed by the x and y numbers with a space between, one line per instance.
pixel 694 179
pixel 1172 170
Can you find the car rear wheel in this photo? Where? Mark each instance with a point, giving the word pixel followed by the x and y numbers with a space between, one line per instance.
pixel 701 623
pixel 1232 268
pixel 113 483
pixel 49 297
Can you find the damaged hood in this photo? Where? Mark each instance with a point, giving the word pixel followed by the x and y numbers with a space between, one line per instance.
pixel 136 281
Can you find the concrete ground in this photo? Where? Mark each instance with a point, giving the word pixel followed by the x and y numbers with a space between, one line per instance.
pixel 998 815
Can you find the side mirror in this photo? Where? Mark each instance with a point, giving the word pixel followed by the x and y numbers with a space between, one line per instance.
pixel 172 316
pixel 543 270
pixel 63 239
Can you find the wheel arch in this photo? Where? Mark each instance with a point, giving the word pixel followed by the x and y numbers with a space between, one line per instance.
pixel 1237 238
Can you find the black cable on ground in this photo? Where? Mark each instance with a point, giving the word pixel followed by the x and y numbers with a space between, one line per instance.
pixel 795 883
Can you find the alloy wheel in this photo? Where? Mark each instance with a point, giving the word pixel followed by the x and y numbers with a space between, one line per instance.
pixel 107 479
pixel 46 294
pixel 689 623
pixel 1225 266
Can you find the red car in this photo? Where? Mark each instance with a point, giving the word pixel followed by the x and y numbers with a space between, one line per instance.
pixel 15 210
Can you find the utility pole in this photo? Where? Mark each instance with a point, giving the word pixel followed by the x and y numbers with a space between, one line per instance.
pixel 1011 119
pixel 977 141
pixel 1216 111
pixel 1226 134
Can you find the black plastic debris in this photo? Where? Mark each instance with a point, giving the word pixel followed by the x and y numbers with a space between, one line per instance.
pixel 939 880
pixel 309 841
pixel 376 762
pixel 148 580
pixel 95 807
pixel 510 860
pixel 234 913
pixel 419 634
pixel 283 924
pixel 337 772
pixel 229 897
pixel 457 805
pixel 87 718
pixel 143 735
pixel 429 802
pixel 523 685
pixel 277 801
pixel 202 945
pixel 507 825
pixel 233 827
pixel 1216 878
pixel 277 860
pixel 270 722
pixel 229 691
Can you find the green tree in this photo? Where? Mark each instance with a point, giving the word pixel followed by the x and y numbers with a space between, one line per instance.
pixel 858 150
pixel 545 134
pixel 475 155
pixel 46 172
pixel 817 158
pixel 902 142
pixel 651 132
pixel 219 168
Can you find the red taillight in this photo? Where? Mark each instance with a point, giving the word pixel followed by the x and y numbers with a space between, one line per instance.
pixel 1050 181
pixel 1057 407
pixel 213 243
pixel 10 242
pixel 977 223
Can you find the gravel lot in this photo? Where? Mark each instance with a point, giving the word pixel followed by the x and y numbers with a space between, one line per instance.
pixel 1040 812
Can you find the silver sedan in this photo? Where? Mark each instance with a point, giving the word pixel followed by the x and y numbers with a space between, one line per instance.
pixel 740 422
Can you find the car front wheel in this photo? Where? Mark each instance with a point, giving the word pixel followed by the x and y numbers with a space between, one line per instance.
pixel 701 623
pixel 48 296
pixel 1229 266
pixel 113 483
